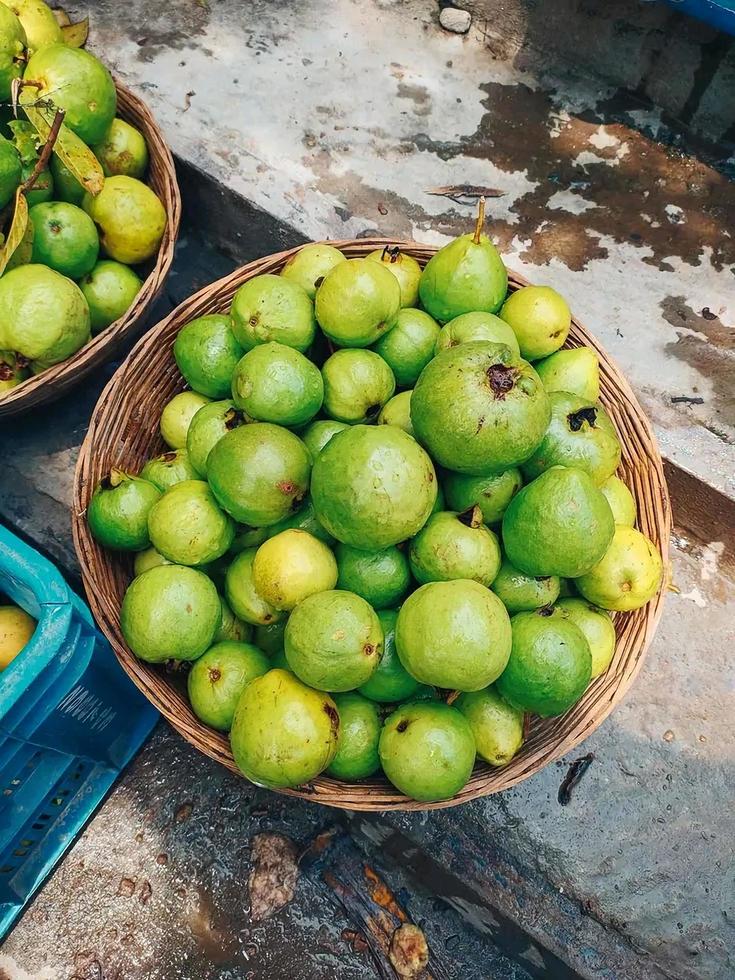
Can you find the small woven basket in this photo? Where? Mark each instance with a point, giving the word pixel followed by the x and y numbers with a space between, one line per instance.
pixel 57 380
pixel 124 433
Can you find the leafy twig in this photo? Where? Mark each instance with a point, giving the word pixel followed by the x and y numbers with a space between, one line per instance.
pixel 46 152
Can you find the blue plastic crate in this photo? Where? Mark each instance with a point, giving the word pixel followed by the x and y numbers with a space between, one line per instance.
pixel 69 721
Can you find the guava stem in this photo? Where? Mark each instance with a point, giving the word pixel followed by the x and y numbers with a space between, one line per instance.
pixel 480 220
pixel 45 154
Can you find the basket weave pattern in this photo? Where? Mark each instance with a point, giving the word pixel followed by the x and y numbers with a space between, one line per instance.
pixel 124 433
pixel 57 380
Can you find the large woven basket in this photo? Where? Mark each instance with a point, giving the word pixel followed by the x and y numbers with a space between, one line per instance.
pixel 123 433
pixel 54 382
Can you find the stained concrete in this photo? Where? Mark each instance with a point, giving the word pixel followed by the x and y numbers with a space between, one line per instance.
pixel 340 119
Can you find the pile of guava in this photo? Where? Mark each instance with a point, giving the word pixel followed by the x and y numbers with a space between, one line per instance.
pixel 367 505
pixel 78 223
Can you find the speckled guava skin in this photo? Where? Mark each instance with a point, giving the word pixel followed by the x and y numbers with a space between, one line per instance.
pixel 476 326
pixel 580 434
pixel 118 512
pixel 275 383
pixel 333 641
pixel 520 592
pixel 479 409
pixel 550 663
pixel 561 524
pixel 259 473
pixel 455 546
pixel 409 345
pixel 454 635
pixel 38 22
pixel 491 494
pixel 540 319
pixel 208 425
pixel 463 277
pixel 357 302
pixel 357 383
pixel 390 682
pixel 207 353
pixel 359 734
pixel 406 270
pixel 627 576
pixel 373 486
pixel 188 527
pixel 283 733
pixel 168 469
pixel 310 264
pixel 427 750
pixel 497 727
pixel 218 678
pixel 272 308
pixel 170 612
pixel 130 219
pixel 12 51
pixel 576 370
pixel 122 150
pixel 292 565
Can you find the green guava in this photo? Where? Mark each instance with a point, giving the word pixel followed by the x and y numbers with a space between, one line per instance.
pixel 283 733
pixel 123 150
pixel 170 613
pixel 13 371
pixel 208 425
pixel 357 383
pixel 275 383
pixel 359 734
pixel 109 290
pixel 303 519
pixel 78 83
pixel 627 576
pixel 317 435
pixel 427 750
pixel 357 302
pixel 476 326
pixel 465 276
pixel 270 638
pixel 38 22
pixel 406 270
pixel 259 473
pixel 373 486
pixel 454 635
pixel 66 185
pixel 333 641
pixel 241 593
pixel 187 527
pixel 207 353
pixel 149 558
pixel 248 537
pixel 540 319
pixel 176 418
pixel 43 315
pixel 291 566
pixel 597 627
pixel 576 370
pixel 12 51
pixel 621 500
pixel 560 524
pixel 64 238
pixel 580 435
pixel 117 514
pixel 497 726
pixel 311 264
pixel 455 546
pixel 232 628
pixel 218 678
pixel 130 219
pixel 271 308
pixel 522 593
pixel 381 578
pixel 390 682
pixel 550 663
pixel 168 469
pixel 409 345
pixel 397 411
pixel 491 494
pixel 479 409
pixel 43 185
pixel 11 169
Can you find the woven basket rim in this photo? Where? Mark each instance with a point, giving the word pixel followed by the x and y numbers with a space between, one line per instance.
pixel 54 382
pixel 120 424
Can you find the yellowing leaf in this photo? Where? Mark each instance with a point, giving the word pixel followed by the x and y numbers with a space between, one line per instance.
pixel 17 229
pixel 73 152
pixel 62 18
pixel 75 35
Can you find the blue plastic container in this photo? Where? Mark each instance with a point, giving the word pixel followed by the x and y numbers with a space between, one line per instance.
pixel 70 720
pixel 718 13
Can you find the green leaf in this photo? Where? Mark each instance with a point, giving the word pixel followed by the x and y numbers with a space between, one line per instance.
pixel 26 140
pixel 17 229
pixel 73 152
pixel 75 35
